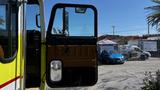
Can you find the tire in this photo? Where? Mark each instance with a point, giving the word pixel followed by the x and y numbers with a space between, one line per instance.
pixel 147 56
pixel 143 57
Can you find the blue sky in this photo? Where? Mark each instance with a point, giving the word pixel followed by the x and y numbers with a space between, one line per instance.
pixel 128 16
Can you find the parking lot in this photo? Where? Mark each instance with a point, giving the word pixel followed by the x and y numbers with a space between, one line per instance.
pixel 128 76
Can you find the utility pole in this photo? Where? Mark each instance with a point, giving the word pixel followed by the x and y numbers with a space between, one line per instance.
pixel 148 28
pixel 113 30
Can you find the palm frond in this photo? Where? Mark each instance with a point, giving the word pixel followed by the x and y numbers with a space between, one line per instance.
pixel 156 1
pixel 157 7
pixel 153 18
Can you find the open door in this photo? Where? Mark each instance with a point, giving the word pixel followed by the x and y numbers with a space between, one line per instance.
pixel 71 46
pixel 9 48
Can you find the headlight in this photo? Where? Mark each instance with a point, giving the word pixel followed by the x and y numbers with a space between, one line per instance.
pixel 56 70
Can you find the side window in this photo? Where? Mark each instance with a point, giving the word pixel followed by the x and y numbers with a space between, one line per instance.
pixel 138 50
pixel 84 25
pixel 8 31
pixel 2 28
pixel 71 23
pixel 58 26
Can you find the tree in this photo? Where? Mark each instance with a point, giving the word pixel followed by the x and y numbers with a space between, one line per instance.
pixel 154 17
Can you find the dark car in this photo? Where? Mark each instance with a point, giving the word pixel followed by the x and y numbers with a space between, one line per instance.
pixel 111 57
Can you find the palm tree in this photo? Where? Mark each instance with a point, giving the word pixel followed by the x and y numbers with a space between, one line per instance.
pixel 154 17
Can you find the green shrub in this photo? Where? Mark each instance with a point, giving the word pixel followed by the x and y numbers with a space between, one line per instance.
pixel 151 81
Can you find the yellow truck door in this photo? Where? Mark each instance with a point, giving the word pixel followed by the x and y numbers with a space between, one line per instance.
pixel 8 45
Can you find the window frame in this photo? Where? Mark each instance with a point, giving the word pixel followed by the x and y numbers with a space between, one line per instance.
pixel 63 6
pixel 9 13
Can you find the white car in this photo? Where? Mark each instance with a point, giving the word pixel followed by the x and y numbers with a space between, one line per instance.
pixel 134 52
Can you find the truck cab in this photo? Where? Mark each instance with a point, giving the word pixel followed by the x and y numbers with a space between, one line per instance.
pixel 63 55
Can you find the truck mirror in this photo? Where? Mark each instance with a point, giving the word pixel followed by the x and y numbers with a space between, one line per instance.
pixel 37 20
pixel 71 48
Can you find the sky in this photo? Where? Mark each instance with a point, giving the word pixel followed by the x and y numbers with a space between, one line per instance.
pixel 32 11
pixel 128 16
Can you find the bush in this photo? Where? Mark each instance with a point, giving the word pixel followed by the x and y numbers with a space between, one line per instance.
pixel 151 82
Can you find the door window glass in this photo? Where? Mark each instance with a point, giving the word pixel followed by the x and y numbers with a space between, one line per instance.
pixel 69 22
pixel 58 25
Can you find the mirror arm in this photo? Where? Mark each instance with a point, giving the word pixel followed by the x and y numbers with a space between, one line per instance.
pixel 37 21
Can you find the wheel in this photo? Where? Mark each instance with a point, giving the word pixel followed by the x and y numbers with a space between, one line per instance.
pixel 147 56
pixel 143 57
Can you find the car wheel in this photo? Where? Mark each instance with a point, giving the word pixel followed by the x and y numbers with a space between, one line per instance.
pixel 147 56
pixel 143 57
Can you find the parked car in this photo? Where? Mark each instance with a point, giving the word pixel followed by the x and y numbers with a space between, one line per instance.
pixel 133 52
pixel 111 57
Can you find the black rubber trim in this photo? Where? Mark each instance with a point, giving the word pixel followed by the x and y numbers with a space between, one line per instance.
pixel 8 60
